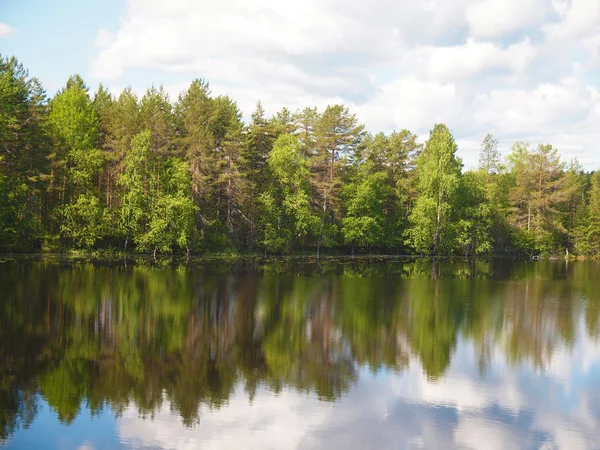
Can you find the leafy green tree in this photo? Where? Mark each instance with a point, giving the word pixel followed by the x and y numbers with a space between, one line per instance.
pixel 74 122
pixel 136 185
pixel 365 218
pixel 439 177
pixel 83 221
pixel 474 226
pixel 286 214
pixel 170 222
pixel 77 163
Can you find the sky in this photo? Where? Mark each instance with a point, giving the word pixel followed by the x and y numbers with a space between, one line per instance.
pixel 521 69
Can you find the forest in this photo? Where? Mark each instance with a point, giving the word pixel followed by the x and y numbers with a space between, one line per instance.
pixel 93 171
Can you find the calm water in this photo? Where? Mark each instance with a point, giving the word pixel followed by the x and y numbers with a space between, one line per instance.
pixel 294 355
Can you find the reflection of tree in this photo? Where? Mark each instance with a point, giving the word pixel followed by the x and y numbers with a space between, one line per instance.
pixel 83 334
pixel 436 316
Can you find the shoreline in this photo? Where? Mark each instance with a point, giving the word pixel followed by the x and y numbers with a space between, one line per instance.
pixel 117 256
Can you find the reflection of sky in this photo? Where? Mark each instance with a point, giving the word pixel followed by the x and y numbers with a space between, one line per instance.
pixel 86 432
pixel 503 408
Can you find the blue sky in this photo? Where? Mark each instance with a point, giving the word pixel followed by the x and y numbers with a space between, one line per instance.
pixel 521 69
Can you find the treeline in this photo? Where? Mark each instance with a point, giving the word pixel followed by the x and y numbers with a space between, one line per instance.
pixel 90 170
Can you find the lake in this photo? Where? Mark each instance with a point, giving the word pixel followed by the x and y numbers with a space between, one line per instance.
pixel 365 353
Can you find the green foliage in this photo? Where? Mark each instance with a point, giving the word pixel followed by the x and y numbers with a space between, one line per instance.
pixel 83 221
pixel 170 221
pixel 489 157
pixel 157 209
pixel 11 196
pixel 74 122
pixel 365 217
pixel 474 226
pixel 439 175
pixel 135 183
pixel 286 216
pixel 587 233
pixel 154 175
pixel 538 195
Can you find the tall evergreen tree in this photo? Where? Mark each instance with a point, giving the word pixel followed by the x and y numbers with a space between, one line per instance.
pixel 25 145
pixel 587 232
pixel 489 157
pixel 540 190
pixel 195 116
pixel 337 133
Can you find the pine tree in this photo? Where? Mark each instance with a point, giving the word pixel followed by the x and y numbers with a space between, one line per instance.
pixel 337 134
pixel 489 157
pixel 540 190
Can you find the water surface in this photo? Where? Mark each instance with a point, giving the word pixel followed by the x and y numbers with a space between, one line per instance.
pixel 349 354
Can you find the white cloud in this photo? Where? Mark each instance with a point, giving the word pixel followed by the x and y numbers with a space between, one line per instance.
pixel 410 103
pixel 6 30
pixel 577 30
pixel 581 18
pixel 535 111
pixel 475 58
pixel 496 18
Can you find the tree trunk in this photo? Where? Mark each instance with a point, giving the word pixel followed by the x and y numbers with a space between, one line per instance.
pixel 436 242
pixel 332 163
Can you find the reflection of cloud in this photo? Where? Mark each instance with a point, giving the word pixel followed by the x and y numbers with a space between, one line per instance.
pixel 478 433
pixel 285 420
pixel 585 353
pixel 508 407
pixel 86 446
